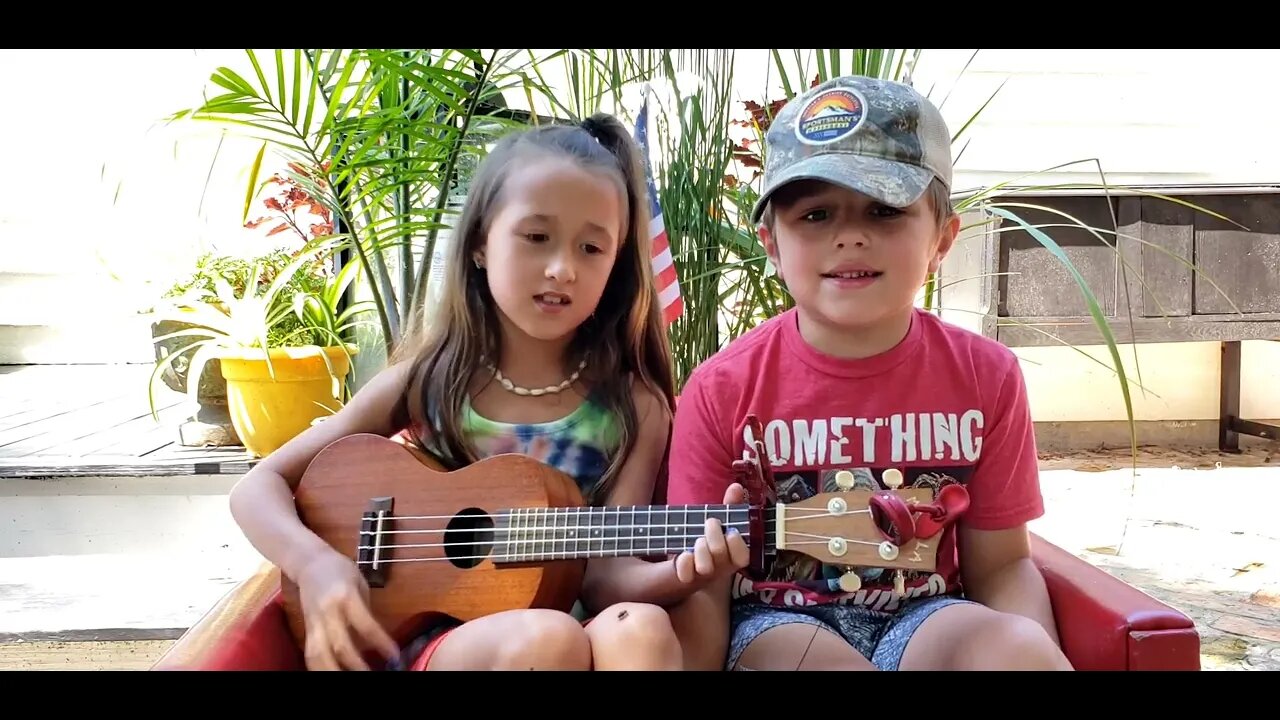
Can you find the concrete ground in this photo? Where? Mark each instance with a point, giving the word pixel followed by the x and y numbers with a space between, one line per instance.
pixel 82 655
pixel 104 573
pixel 1195 530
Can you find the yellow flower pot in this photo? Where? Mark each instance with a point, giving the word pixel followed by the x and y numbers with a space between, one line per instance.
pixel 268 411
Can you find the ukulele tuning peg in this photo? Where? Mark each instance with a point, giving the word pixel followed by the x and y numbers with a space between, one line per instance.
pixel 892 478
pixel 850 582
pixel 899 583
pixel 888 551
pixel 844 480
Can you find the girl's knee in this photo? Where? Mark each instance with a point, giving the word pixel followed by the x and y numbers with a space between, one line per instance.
pixel 635 636
pixel 515 640
pixel 632 623
pixel 543 640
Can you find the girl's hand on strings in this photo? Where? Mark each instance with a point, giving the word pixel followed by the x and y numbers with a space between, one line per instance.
pixel 335 601
pixel 717 553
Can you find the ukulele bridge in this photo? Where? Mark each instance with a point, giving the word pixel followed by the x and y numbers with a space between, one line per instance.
pixel 371 555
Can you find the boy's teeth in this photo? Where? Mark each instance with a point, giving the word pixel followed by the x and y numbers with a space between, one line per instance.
pixel 858 274
pixel 551 300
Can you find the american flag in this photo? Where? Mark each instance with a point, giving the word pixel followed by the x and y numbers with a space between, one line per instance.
pixel 664 267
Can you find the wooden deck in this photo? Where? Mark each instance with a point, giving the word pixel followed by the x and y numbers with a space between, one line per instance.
pixel 95 420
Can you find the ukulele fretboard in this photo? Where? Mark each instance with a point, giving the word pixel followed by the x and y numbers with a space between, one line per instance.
pixel 541 534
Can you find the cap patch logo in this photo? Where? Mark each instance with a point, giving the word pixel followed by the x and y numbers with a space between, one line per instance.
pixel 829 116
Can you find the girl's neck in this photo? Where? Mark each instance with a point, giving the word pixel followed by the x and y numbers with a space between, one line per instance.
pixel 529 362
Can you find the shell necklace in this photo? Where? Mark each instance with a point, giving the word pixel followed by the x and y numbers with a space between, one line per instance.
pixel 536 392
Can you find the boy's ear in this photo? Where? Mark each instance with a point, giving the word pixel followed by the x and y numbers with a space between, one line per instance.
pixel 770 244
pixel 946 239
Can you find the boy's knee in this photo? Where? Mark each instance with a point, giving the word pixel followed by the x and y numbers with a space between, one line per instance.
pixel 545 640
pixel 1013 642
pixel 639 632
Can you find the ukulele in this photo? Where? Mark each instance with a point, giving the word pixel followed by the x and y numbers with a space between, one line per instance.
pixel 509 532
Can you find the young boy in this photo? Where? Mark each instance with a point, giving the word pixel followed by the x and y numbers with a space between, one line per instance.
pixel 855 212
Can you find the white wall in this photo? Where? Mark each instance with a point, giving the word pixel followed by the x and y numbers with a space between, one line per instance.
pixel 97 182
pixel 103 205
pixel 1148 116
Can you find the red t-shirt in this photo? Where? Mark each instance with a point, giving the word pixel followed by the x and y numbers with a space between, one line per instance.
pixel 944 406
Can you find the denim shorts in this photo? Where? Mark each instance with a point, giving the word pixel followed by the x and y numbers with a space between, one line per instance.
pixel 878 636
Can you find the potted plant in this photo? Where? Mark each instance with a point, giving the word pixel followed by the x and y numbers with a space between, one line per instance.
pixel 273 325
pixel 210 424
pixel 280 349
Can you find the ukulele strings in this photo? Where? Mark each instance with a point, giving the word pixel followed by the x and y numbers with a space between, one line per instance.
pixel 815 514
pixel 589 513
pixel 543 528
pixel 529 535
pixel 555 514
pixel 515 552
pixel 793 515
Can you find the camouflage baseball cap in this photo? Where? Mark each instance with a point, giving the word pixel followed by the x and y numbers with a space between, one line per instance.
pixel 877 137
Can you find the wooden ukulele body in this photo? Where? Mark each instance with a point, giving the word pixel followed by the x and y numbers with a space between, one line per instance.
pixel 361 472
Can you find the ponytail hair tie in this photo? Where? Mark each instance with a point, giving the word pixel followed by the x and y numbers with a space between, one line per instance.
pixel 593 128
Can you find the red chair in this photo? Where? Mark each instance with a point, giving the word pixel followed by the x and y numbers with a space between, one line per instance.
pixel 1104 624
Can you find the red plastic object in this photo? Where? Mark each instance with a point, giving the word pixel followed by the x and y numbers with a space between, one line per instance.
pixel 246 630
pixel 1107 624
pixel 1104 624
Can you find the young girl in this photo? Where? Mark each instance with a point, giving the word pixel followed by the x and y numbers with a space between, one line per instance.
pixel 549 343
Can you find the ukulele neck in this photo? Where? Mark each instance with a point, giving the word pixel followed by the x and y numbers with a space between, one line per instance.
pixel 541 534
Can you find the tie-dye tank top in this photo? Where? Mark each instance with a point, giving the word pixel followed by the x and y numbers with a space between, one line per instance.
pixel 578 444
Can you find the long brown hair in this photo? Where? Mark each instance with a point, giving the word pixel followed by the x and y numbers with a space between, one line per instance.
pixel 625 337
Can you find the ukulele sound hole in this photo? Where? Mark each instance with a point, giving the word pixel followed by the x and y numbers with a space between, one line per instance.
pixel 470 538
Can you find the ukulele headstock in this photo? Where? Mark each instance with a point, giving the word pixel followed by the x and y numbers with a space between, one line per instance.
pixel 858 528
pixel 893 529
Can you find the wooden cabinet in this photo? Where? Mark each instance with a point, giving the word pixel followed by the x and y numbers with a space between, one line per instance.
pixel 1161 272
pixel 1138 265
